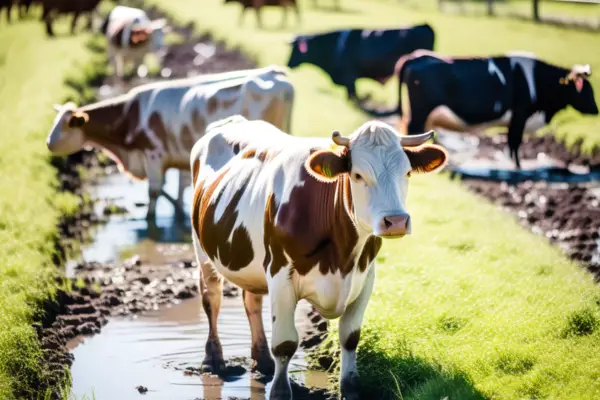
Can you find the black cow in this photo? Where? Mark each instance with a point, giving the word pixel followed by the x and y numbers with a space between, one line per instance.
pixel 347 55
pixel 516 91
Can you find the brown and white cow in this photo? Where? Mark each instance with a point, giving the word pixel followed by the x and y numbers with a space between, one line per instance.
pixel 298 219
pixel 153 127
pixel 130 35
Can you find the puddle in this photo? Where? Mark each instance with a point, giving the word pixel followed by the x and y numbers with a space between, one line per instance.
pixel 146 351
pixel 123 233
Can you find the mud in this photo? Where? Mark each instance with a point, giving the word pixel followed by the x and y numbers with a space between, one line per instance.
pixel 101 287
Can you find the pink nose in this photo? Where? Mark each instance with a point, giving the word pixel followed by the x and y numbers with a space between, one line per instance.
pixel 395 225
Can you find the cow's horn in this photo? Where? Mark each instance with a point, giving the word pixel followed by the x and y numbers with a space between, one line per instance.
pixel 57 107
pixel 416 140
pixel 339 139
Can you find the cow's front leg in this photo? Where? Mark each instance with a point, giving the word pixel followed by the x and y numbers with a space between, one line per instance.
pixel 156 181
pixel 284 338
pixel 184 182
pixel 262 360
pixel 211 285
pixel 349 334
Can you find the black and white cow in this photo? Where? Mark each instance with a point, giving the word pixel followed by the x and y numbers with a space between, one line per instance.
pixel 350 54
pixel 516 90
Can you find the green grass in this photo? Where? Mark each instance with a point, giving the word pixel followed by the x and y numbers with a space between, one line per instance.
pixel 471 305
pixel 32 75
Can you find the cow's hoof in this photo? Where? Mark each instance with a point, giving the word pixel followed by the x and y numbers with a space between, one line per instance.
pixel 281 390
pixel 213 360
pixel 350 387
pixel 264 364
pixel 213 365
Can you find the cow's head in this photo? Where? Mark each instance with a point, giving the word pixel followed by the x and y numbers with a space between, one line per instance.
pixel 580 93
pixel 379 162
pixel 67 136
pixel 299 52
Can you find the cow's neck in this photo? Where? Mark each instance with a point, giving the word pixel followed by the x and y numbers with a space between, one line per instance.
pixel 551 94
pixel 110 123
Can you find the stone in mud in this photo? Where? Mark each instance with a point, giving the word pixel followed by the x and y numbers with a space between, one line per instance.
pixel 141 389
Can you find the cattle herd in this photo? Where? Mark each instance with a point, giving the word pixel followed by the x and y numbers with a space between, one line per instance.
pixel 303 218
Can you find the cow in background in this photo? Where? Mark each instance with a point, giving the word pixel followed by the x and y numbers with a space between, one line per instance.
pixel 153 127
pixel 516 90
pixel 75 7
pixel 347 55
pixel 298 218
pixel 7 5
pixel 131 35
pixel 258 4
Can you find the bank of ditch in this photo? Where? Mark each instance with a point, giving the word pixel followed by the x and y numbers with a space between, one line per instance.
pixel 33 201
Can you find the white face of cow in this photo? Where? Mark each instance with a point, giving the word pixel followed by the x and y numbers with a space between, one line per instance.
pixel 379 162
pixel 66 136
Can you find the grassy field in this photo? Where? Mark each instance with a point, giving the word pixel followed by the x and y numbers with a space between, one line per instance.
pixel 471 306
pixel 32 75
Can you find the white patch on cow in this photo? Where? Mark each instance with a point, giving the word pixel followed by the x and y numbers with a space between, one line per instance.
pixel 527 64
pixel 493 69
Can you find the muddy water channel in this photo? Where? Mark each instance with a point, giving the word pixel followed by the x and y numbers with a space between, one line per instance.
pixel 158 350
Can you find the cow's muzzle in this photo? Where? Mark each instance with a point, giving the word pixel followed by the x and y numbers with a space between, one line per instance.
pixel 394 225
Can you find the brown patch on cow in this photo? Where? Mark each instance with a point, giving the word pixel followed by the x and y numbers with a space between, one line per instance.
pixel 156 125
pixel 274 255
pixel 109 125
pixel 262 156
pixel 212 106
pixel 214 235
pixel 198 123
pixel 187 138
pixel 195 171
pixel 328 238
pixel 257 97
pixel 227 104
pixel 426 158
pixel 369 252
pixel 352 341
pixel 285 349
pixel 249 153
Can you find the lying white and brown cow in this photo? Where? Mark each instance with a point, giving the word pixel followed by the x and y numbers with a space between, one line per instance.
pixel 153 127
pixel 130 35
pixel 298 219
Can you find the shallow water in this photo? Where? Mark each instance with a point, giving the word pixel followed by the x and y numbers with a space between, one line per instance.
pixel 153 350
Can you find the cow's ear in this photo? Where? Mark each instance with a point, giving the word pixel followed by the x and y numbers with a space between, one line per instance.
pixel 326 165
pixel 426 158
pixel 78 119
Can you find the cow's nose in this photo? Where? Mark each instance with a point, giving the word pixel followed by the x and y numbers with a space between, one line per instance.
pixel 395 225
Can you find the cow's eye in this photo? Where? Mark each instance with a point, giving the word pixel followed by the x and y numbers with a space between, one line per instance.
pixel 357 177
